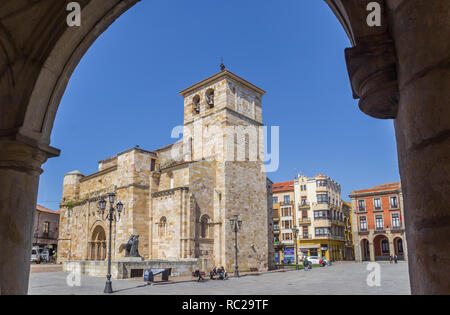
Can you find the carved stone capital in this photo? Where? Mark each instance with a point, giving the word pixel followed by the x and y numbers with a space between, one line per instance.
pixel 372 70
pixel 23 154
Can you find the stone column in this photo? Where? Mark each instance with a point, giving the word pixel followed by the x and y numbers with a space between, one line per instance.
pixel 391 245
pixel 20 168
pixel 372 251
pixel 358 252
pixel 421 31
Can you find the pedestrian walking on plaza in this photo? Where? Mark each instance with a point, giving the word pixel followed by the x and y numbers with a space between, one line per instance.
pixel 390 259
pixel 396 259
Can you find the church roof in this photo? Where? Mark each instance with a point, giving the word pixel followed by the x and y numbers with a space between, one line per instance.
pixel 220 75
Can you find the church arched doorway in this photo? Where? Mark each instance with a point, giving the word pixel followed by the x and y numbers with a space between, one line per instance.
pixel 97 244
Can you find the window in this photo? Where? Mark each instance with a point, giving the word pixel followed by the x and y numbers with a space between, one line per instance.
pixel 377 203
pixel 362 205
pixel 321 214
pixel 152 165
pixel 385 246
pixel 162 227
pixel 322 198
pixel 287 199
pixel 322 231
pixel 313 251
pixel 394 203
pixel 321 183
pixel 275 199
pixel 210 98
pixel 396 220
pixel 46 227
pixel 363 223
pixel 204 226
pixel 286 212
pixel 379 224
pixel 196 102
pixel 304 201
pixel 287 236
pixel 286 224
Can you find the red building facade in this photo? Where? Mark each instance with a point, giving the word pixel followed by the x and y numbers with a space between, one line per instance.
pixel 378 221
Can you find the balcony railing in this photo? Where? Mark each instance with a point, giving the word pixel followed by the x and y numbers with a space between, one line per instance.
pixel 304 236
pixel 303 205
pixel 304 221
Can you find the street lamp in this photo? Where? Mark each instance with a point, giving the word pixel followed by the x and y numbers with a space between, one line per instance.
pixel 236 225
pixel 295 232
pixel 111 216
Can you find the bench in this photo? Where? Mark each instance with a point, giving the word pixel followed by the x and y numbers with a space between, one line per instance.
pixel 149 274
pixel 253 269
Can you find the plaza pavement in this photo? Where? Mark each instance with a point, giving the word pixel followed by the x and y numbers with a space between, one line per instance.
pixel 340 279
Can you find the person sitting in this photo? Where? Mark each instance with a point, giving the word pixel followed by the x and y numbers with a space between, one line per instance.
pixel 222 273
pixel 213 273
pixel 198 274
pixel 306 264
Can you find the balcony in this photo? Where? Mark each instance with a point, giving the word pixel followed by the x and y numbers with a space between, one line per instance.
pixel 321 189
pixel 304 236
pixel 303 206
pixel 304 221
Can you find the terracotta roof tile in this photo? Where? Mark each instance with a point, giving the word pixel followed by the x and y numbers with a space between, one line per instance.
pixel 44 209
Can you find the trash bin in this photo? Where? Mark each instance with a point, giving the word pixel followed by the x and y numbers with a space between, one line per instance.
pixel 148 275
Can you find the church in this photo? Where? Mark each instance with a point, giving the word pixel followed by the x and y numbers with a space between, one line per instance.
pixel 180 198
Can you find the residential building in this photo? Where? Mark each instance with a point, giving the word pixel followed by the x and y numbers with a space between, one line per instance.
pixel 320 217
pixel 349 251
pixel 379 227
pixel 46 229
pixel 284 218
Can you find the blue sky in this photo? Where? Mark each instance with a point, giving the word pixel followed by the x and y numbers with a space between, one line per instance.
pixel 125 90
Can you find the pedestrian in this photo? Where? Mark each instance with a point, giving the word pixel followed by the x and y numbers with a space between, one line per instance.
pixel 396 259
pixel 213 273
pixel 199 275
pixel 391 259
pixel 306 264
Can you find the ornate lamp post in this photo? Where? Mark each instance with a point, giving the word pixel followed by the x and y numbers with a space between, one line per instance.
pixel 236 225
pixel 111 216
pixel 295 232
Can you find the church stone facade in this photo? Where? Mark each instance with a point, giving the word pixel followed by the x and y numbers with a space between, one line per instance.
pixel 179 198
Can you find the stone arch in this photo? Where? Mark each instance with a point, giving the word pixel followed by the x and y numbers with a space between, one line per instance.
pixel 73 42
pixel 36 74
pixel 381 247
pixel 97 243
pixel 209 96
pixel 204 226
pixel 365 249
pixel 399 249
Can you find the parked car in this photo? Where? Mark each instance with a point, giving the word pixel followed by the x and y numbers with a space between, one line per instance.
pixel 35 256
pixel 45 256
pixel 316 260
